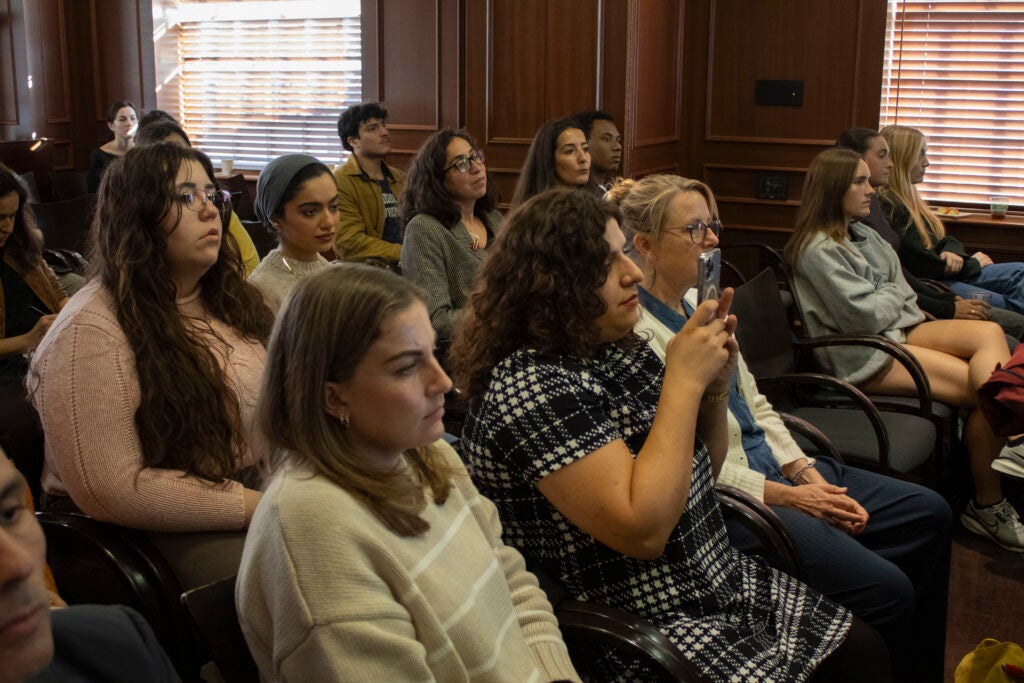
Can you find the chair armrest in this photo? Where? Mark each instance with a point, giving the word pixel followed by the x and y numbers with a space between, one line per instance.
pixel 899 354
pixel 855 396
pixel 936 285
pixel 817 437
pixel 762 521
pixel 612 628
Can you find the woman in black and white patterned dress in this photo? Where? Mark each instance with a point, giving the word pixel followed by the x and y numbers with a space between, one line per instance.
pixel 600 458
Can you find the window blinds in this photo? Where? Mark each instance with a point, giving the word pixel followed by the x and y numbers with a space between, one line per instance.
pixel 955 70
pixel 257 79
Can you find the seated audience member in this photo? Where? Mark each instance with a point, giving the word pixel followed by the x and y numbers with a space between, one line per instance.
pixel 147 380
pixel 558 157
pixel 848 280
pixel 874 150
pixel 296 198
pixel 37 644
pixel 368 189
pixel 123 122
pixel 867 541
pixel 30 297
pixel 450 219
pixel 166 129
pixel 605 144
pixel 371 556
pixel 601 458
pixel 925 248
pixel 154 115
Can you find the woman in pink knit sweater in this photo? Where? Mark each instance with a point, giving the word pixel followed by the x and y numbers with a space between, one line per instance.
pixel 146 382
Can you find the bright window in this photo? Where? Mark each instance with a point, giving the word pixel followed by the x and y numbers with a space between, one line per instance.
pixel 251 80
pixel 955 70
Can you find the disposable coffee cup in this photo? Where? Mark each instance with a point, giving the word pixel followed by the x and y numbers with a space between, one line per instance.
pixel 999 205
pixel 227 166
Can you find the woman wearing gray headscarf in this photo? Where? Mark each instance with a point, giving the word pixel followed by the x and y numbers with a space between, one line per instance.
pixel 297 199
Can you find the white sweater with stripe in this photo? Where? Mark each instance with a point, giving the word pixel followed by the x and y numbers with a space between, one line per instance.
pixel 326 592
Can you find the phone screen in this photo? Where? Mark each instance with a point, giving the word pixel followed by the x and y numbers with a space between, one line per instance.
pixel 709 275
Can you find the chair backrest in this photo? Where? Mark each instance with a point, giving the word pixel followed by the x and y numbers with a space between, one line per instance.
pixel 65 224
pixel 762 328
pixel 98 563
pixel 69 184
pixel 260 236
pixel 212 608
pixel 241 201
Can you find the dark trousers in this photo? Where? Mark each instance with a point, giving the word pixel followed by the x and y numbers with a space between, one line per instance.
pixel 894 575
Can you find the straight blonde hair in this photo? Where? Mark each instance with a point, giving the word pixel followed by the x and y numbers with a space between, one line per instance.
pixel 905 145
pixel 328 323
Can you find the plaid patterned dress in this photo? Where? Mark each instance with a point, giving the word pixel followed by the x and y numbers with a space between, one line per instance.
pixel 734 617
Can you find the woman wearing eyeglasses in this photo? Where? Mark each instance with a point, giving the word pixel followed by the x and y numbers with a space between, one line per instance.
pixel 450 220
pixel 297 200
pixel 874 544
pixel 147 381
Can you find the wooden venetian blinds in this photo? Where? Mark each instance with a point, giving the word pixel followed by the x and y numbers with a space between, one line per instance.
pixel 955 70
pixel 259 79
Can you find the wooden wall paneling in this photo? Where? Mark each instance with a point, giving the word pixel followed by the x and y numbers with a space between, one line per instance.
pixel 836 49
pixel 9 76
pixel 654 87
pixel 572 69
pixel 54 58
pixel 122 54
pixel 418 75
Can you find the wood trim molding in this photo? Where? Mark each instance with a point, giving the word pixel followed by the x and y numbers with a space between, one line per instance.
pixel 65 116
pixel 13 81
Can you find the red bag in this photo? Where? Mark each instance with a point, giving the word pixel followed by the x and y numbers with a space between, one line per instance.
pixel 1001 397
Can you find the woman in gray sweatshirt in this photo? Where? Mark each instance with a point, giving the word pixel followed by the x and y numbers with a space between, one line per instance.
pixel 848 280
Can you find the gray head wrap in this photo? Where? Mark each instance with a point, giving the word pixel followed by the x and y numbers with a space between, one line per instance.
pixel 274 180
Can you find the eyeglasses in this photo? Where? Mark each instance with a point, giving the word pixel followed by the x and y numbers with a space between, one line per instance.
pixel 461 164
pixel 197 201
pixel 699 230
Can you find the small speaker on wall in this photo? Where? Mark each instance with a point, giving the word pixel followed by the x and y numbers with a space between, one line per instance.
pixel 779 93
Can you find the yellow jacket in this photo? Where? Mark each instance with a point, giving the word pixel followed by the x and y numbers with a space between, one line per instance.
pixel 361 213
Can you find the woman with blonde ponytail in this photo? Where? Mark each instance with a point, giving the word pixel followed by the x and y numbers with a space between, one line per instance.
pixel 925 248
pixel 372 556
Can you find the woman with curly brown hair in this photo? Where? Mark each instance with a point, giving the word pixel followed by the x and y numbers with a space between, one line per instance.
pixel 147 381
pixel 601 458
pixel 450 221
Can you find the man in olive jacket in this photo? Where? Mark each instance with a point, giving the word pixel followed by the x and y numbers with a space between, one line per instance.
pixel 368 189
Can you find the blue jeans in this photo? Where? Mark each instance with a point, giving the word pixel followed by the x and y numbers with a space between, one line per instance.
pixel 1005 281
pixel 894 575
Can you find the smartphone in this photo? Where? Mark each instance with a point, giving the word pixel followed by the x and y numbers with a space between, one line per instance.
pixel 709 275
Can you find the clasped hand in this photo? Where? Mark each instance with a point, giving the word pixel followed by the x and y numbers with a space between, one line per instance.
pixel 830 503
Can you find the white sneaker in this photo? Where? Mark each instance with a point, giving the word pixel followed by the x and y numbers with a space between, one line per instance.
pixel 1014 454
pixel 1000 522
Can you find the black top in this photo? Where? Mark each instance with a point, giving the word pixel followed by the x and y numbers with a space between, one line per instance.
pixel 22 310
pixel 98 162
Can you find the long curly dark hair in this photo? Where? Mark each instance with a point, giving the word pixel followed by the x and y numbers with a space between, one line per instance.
pixel 538 287
pixel 188 417
pixel 424 185
pixel 21 246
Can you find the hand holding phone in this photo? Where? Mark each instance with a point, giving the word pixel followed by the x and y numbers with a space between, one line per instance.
pixel 709 275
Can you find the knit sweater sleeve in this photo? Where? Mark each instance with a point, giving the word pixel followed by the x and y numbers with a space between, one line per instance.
pixel 424 262
pixel 784 448
pixel 536 618
pixel 93 452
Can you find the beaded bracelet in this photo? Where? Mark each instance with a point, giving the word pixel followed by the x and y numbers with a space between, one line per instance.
pixel 799 476
pixel 715 398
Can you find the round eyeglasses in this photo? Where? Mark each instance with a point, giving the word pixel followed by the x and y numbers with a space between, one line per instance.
pixel 699 230
pixel 462 164
pixel 196 200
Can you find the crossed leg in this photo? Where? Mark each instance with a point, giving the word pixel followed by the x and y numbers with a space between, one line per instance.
pixel 957 356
